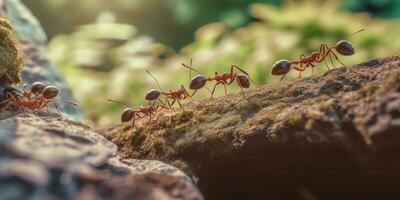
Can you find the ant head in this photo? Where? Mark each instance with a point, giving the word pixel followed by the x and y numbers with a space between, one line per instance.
pixel 37 87
pixel 243 80
pixel 50 92
pixel 127 115
pixel 197 82
pixel 281 67
pixel 152 94
pixel 345 48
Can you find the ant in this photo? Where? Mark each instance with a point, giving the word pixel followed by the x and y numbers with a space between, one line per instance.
pixel 37 97
pixel 343 47
pixel 176 96
pixel 129 114
pixel 225 79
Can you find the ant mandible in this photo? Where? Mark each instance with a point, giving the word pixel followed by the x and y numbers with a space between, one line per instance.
pixel 343 47
pixel 37 97
pixel 225 79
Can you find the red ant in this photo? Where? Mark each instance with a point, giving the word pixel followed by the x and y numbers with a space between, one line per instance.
pixel 343 47
pixel 129 114
pixel 225 79
pixel 37 97
pixel 176 96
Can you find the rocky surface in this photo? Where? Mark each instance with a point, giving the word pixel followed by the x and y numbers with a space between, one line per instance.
pixel 330 137
pixel 48 158
pixel 31 42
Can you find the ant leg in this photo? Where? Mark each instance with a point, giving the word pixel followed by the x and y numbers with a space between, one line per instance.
pixel 212 93
pixel 133 123
pixel 195 93
pixel 172 103
pixel 170 110
pixel 337 58
pixel 58 109
pixel 180 105
pixel 333 53
pixel 330 59
pixel 241 88
pixel 162 103
pixel 48 111
pixel 283 76
pixel 327 66
pixel 121 131
pixel 313 69
pixel 300 70
pixel 325 51
pixel 186 93
pixel 226 93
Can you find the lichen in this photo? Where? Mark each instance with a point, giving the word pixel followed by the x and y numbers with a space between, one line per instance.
pixel 11 62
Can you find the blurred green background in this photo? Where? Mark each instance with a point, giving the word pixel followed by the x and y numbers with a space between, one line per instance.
pixel 104 47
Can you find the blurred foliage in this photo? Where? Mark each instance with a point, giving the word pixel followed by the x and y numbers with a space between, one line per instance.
pixel 172 22
pixel 108 59
pixel 379 8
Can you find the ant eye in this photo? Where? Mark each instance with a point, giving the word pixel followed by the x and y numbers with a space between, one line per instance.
pixel 197 82
pixel 127 115
pixel 243 80
pixel 50 92
pixel 152 95
pixel 281 67
pixel 345 48
pixel 37 87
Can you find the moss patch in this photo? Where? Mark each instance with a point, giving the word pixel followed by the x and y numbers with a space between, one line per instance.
pixel 11 62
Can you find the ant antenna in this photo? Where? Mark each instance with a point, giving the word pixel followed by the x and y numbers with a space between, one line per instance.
pixel 148 72
pixel 67 101
pixel 190 67
pixel 190 71
pixel 354 33
pixel 118 102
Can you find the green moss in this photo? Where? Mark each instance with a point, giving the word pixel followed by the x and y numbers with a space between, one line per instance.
pixel 11 62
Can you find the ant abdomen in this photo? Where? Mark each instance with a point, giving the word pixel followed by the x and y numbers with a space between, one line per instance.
pixel 50 92
pixel 281 67
pixel 197 82
pixel 37 87
pixel 243 80
pixel 127 115
pixel 152 95
pixel 345 48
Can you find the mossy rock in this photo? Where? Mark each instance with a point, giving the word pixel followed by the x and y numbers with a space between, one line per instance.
pixel 11 62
